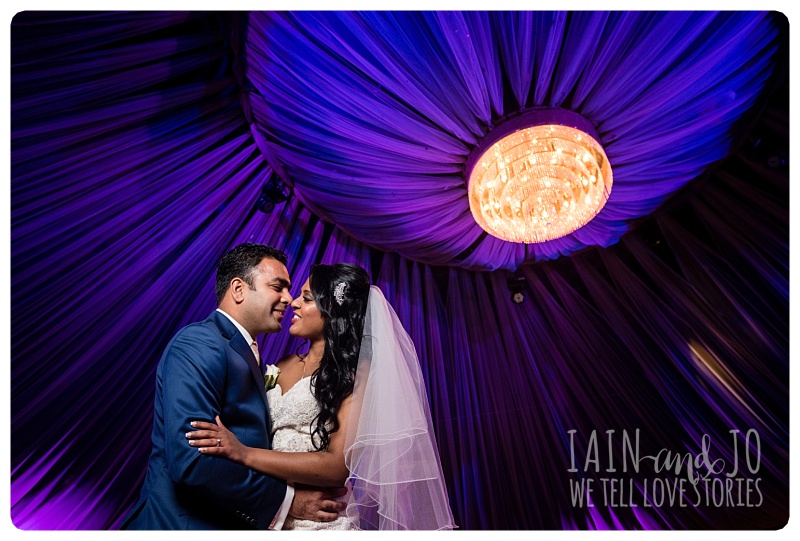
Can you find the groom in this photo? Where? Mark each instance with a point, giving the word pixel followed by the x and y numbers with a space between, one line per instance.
pixel 210 368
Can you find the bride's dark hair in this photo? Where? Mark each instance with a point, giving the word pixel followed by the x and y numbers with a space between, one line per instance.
pixel 340 292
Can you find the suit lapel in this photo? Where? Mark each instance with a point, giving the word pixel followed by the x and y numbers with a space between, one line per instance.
pixel 240 346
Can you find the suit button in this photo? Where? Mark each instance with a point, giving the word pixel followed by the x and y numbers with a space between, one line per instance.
pixel 252 521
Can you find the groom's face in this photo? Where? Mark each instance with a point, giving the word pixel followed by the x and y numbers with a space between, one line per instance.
pixel 266 303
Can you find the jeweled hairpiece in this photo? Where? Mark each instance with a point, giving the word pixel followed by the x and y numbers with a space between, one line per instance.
pixel 338 292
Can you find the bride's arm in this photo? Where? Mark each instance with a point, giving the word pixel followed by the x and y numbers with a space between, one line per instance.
pixel 322 468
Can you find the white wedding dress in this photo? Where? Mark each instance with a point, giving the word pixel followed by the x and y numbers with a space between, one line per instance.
pixel 396 480
pixel 292 414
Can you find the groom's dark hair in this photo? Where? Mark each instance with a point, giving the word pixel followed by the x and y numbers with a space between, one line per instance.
pixel 241 262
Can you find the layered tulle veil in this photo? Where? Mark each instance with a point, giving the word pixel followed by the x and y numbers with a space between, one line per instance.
pixel 396 476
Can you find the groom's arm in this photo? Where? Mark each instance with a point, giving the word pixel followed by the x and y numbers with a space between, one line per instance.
pixel 195 373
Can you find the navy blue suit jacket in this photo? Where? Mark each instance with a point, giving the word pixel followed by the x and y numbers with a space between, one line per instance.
pixel 207 369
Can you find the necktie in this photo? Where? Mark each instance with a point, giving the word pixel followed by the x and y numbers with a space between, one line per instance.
pixel 254 347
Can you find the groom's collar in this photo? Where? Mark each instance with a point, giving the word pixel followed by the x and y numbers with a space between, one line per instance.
pixel 245 334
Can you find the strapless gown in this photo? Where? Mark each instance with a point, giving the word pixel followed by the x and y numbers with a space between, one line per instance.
pixel 292 414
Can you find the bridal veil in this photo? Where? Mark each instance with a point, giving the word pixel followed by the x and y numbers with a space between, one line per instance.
pixel 396 480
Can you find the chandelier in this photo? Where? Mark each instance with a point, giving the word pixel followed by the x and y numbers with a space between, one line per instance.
pixel 538 176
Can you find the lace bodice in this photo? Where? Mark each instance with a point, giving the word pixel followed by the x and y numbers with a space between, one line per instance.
pixel 292 414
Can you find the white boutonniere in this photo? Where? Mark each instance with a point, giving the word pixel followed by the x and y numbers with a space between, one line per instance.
pixel 271 376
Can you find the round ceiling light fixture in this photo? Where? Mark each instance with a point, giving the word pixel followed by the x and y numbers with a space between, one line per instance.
pixel 538 176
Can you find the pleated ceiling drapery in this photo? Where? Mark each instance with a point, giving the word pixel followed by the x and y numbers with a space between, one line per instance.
pixel 372 115
pixel 140 143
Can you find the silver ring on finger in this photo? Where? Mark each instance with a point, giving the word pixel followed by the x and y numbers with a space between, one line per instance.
pixel 218 442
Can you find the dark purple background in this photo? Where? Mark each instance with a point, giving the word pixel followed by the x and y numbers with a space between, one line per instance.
pixel 140 143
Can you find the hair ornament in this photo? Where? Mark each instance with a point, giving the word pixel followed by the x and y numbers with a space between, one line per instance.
pixel 338 292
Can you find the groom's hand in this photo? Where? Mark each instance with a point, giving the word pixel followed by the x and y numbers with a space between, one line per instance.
pixel 316 503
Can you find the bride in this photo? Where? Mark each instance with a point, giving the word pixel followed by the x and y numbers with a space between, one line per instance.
pixel 353 411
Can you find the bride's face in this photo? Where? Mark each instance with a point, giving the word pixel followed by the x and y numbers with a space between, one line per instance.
pixel 307 320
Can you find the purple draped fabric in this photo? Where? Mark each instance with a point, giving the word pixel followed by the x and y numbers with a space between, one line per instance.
pixel 139 146
pixel 372 115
